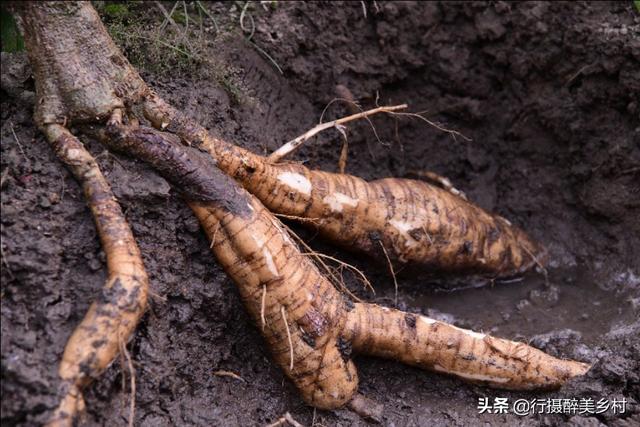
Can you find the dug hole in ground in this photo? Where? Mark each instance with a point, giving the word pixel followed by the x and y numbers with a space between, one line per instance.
pixel 548 94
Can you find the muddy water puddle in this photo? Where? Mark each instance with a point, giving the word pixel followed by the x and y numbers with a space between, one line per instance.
pixel 570 298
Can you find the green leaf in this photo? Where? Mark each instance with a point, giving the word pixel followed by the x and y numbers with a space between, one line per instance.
pixel 10 38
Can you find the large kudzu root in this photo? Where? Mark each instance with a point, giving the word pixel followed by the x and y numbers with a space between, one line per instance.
pixel 410 221
pixel 430 344
pixel 303 314
pixel 79 75
pixel 309 326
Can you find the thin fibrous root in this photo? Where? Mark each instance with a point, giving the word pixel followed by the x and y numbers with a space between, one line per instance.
pixel 132 377
pixel 319 260
pixel 365 281
pixel 353 107
pixel 263 305
pixel 213 239
pixel 441 181
pixel 223 373
pixel 300 218
pixel 295 143
pixel 344 153
pixel 393 274
pixel 286 326
pixel 420 116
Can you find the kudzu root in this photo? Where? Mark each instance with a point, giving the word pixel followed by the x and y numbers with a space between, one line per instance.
pixel 78 82
pixel 112 319
pixel 303 313
pixel 412 221
pixel 475 357
pixel 312 329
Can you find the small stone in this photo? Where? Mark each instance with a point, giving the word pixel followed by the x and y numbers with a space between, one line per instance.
pixel 542 27
pixel 489 26
pixel 44 202
pixel 544 297
pixel 9 215
pixel 192 225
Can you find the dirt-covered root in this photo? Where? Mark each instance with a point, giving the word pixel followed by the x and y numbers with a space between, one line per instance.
pixel 111 320
pixel 298 311
pixel 81 76
pixel 410 221
pixel 304 319
pixel 310 327
pixel 430 344
pixel 303 315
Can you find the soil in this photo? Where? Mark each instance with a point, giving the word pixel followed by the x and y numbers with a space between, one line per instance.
pixel 549 95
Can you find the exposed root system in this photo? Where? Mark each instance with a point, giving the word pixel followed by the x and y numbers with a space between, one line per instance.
pixel 312 329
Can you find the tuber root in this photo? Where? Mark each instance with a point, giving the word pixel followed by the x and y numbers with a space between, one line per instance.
pixel 412 221
pixel 430 344
pixel 311 328
pixel 256 252
pixel 112 319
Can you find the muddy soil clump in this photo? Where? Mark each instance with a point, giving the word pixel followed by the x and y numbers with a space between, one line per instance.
pixel 548 93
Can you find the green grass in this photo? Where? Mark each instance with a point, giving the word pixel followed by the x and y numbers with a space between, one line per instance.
pixel 10 38
pixel 116 10
pixel 153 44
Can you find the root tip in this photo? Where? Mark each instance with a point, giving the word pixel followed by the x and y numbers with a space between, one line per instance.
pixel 368 409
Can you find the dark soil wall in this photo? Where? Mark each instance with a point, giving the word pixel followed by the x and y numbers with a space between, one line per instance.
pixel 549 94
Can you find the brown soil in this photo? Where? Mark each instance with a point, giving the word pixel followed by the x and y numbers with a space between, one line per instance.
pixel 547 91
